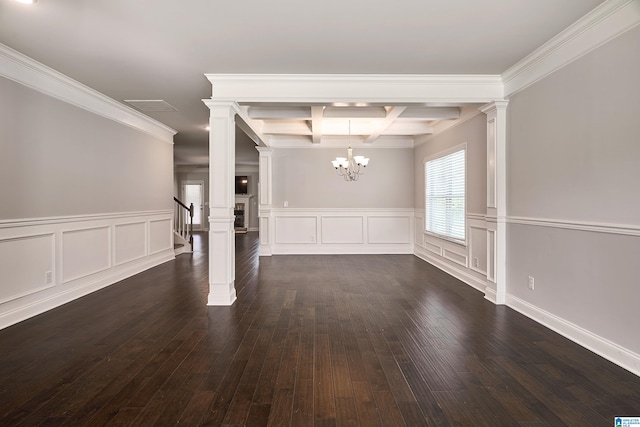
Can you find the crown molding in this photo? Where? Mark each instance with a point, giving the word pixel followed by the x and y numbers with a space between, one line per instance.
pixel 604 23
pixel 28 72
pixel 356 88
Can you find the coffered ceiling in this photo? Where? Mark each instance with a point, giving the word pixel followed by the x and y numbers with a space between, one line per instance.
pixel 162 49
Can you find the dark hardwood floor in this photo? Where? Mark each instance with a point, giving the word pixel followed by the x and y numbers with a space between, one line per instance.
pixel 367 340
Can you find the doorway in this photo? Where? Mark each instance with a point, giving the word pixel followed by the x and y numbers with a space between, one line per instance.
pixel 193 192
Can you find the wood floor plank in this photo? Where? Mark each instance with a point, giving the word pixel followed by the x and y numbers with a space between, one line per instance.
pixel 324 398
pixel 312 340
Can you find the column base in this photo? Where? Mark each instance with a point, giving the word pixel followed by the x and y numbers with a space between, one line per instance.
pixel 496 298
pixel 222 298
pixel 265 250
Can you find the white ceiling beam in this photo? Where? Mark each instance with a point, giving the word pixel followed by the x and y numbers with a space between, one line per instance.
pixel 409 128
pixel 251 127
pixel 353 88
pixel 285 127
pixel 316 124
pixel 392 115
pixel 279 112
pixel 355 112
pixel 431 113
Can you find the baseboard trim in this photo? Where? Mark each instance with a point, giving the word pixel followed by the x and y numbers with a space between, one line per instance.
pixel 341 249
pixel 592 342
pixel 84 287
pixel 456 272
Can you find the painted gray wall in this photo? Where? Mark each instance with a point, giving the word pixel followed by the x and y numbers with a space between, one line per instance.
pixel 57 159
pixel 472 131
pixel 574 155
pixel 306 179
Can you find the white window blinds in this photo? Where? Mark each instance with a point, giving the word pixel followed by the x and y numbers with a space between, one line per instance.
pixel 445 196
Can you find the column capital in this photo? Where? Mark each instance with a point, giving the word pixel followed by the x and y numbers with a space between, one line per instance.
pixel 495 105
pixel 222 108
pixel 265 151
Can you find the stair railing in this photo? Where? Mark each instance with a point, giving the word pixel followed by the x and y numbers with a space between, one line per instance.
pixel 183 220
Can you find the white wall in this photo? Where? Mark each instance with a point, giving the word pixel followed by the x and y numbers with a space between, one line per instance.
pixel 467 262
pixel 573 203
pixel 87 200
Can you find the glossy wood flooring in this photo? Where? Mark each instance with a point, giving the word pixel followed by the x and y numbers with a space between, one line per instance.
pixel 311 341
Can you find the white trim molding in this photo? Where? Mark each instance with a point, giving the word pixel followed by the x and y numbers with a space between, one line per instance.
pixel 601 346
pixel 69 257
pixel 355 87
pixel 597 227
pixel 604 23
pixel 26 71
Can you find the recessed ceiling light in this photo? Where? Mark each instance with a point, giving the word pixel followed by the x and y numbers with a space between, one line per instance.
pixel 27 1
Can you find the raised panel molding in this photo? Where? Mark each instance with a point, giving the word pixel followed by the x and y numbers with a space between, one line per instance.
pixel 389 229
pixel 130 242
pixel 433 248
pixel 296 229
pixel 160 235
pixel 28 262
pixel 459 259
pixel 83 253
pixel 341 231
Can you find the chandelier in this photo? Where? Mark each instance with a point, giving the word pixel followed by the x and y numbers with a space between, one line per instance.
pixel 350 167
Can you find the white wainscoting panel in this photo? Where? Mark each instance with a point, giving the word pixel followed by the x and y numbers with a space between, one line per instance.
pixel 85 252
pixel 343 229
pixel 28 264
pixel 478 248
pixel 130 242
pixel 389 229
pixel 296 229
pixel 47 262
pixel 160 236
pixel 458 258
pixel 451 257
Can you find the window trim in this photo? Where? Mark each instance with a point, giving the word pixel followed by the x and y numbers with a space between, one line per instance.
pixel 439 154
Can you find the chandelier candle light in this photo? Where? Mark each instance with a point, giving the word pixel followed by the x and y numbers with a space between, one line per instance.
pixel 350 167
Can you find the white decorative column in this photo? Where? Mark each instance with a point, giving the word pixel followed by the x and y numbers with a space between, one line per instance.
pixel 496 201
pixel 222 243
pixel 264 200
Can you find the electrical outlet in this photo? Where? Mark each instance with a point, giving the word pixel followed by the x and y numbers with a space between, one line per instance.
pixel 48 277
pixel 531 283
pixel 286 204
pixel 475 262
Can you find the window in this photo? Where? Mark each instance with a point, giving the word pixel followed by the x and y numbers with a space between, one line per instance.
pixel 445 182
